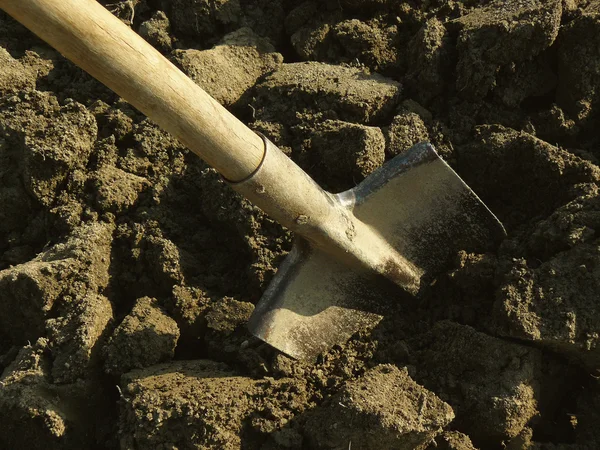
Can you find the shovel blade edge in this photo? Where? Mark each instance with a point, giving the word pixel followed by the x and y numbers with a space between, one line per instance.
pixel 315 302
pixel 424 209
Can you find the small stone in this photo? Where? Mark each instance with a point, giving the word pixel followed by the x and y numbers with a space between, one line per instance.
pixel 384 408
pixel 146 336
pixel 302 219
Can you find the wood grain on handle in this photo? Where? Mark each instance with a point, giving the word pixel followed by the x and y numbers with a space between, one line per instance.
pixel 90 36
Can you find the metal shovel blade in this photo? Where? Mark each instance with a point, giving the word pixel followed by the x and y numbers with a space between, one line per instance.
pixel 420 206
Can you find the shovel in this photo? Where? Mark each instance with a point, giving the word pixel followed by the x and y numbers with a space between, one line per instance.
pixel 400 224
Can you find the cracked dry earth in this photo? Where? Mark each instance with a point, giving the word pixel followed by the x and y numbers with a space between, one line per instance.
pixel 128 269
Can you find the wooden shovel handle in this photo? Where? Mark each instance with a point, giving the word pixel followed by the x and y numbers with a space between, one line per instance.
pixel 90 36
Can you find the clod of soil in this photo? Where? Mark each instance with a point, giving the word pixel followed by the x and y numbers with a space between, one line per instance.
pixel 491 384
pixel 516 82
pixel 19 74
pixel 553 304
pixel 406 130
pixel 384 408
pixel 578 69
pixel 146 336
pixel 50 140
pixel 157 30
pixel 76 336
pixel 202 404
pixel 343 153
pixel 430 55
pixel 500 33
pixel 340 92
pixel 115 189
pixel 225 327
pixel 57 280
pixel 38 412
pixel 345 41
pixel 522 163
pixel 231 67
pixel 203 18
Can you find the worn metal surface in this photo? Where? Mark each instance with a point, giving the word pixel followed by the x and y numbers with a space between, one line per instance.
pixel 403 222
pixel 290 196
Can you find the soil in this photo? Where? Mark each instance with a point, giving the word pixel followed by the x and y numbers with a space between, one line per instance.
pixel 128 268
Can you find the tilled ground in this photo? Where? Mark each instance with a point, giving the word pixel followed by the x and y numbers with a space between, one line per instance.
pixel 128 269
